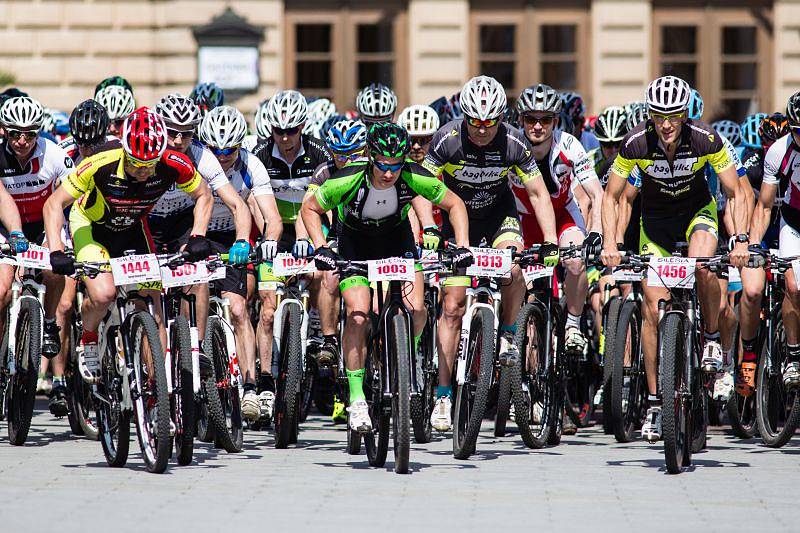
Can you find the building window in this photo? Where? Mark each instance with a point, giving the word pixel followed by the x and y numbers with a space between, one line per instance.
pixel 314 59
pixel 559 64
pixel 679 52
pixel 739 63
pixel 375 53
pixel 497 52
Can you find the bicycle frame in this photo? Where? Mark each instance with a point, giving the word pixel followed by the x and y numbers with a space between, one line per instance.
pixel 296 294
pixel 484 294
pixel 194 336
pixel 389 308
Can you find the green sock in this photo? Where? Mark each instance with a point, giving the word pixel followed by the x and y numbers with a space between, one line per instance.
pixel 355 381
pixel 416 342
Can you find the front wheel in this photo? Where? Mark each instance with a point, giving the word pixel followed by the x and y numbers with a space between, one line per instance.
pixel 288 381
pixel 628 383
pixel 22 386
pixel 675 413
pixel 151 404
pixel 221 390
pixel 472 395
pixel 113 419
pixel 778 409
pixel 183 401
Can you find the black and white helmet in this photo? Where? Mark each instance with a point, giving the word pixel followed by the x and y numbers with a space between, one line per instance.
pixel 117 100
pixel 611 125
pixel 793 109
pixel 419 120
pixel 286 110
pixel 376 102
pixel 730 130
pixel 223 127
pixel 319 111
pixel 668 95
pixel 263 127
pixel 483 98
pixel 22 112
pixel 539 97
pixel 179 110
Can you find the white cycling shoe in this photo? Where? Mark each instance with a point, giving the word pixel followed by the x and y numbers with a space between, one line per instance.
pixel 440 417
pixel 574 341
pixel 89 362
pixel 359 416
pixel 266 400
pixel 251 408
pixel 712 358
pixel 508 354
pixel 723 386
pixel 651 429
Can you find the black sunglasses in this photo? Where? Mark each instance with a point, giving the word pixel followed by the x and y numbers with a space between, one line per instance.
pixel 288 131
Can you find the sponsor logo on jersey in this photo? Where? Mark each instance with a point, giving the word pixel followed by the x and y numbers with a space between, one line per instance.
pixel 479 175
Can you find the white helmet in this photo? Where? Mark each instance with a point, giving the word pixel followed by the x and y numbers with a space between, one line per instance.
pixel 117 100
pixel 286 110
pixel 376 102
pixel 483 98
pixel 611 124
pixel 668 95
pixel 419 120
pixel 179 110
pixel 730 130
pixel 22 112
pixel 223 127
pixel 263 127
pixel 320 109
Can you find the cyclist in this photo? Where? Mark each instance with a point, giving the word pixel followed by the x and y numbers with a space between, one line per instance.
pixel 207 96
pixel 771 128
pixel 291 159
pixel 115 189
pixel 475 157
pixel 222 131
pixel 780 175
pixel 376 103
pixel 421 122
pixel 576 110
pixel 373 199
pixel 319 110
pixel 30 169
pixel 609 128
pixel 113 80
pixel 263 129
pixel 562 160
pixel 119 103
pixel 670 151
pixel 88 127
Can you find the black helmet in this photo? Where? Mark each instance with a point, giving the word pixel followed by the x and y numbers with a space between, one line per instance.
pixel 793 109
pixel 773 128
pixel 113 80
pixel 207 96
pixel 8 94
pixel 88 123
pixel 387 139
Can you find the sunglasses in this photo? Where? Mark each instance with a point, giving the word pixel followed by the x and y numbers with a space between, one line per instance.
pixel 288 131
pixel 188 134
pixel 478 123
pixel 675 118
pixel 383 167
pixel 15 135
pixel 545 120
pixel 223 151
pixel 422 141
pixel 354 156
pixel 137 163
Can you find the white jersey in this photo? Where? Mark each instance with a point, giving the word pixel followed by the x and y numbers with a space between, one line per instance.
pixel 249 142
pixel 32 184
pixel 176 201
pixel 247 175
pixel 568 163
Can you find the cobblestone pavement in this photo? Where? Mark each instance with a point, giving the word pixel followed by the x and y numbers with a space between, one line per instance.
pixel 57 482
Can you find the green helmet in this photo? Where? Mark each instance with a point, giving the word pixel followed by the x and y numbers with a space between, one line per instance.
pixel 113 80
pixel 387 139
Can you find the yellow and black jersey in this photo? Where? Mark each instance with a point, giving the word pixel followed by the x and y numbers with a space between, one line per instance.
pixel 677 188
pixel 108 196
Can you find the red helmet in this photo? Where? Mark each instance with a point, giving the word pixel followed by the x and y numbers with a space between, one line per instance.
pixel 144 135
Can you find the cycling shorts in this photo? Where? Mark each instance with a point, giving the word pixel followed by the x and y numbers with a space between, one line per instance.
pixel 503 225
pixel 567 217
pixel 235 280
pixel 658 236
pixel 173 231
pixel 95 242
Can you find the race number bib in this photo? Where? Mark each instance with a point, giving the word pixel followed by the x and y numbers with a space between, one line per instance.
pixel 672 272
pixel 36 257
pixel 135 269
pixel 391 269
pixel 189 274
pixel 534 272
pixel 734 276
pixel 626 275
pixel 491 263
pixel 285 264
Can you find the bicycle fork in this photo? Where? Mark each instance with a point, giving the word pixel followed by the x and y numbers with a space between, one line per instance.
pixel 13 313
pixel 466 327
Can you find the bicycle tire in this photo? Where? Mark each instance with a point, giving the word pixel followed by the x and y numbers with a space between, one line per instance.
pixel 376 443
pixel 401 408
pixel 81 401
pixel 155 441
pixel 558 374
pixel 22 385
pixel 774 404
pixel 308 388
pixel 288 380
pixel 422 405
pixel 526 392
pixel 503 402
pixel 626 418
pixel 353 442
pixel 223 403
pixel 472 395
pixel 674 416
pixel 610 321
pixel 183 401
pixel 204 429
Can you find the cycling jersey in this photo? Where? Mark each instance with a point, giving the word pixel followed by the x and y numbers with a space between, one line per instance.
pixel 71 147
pixel 782 168
pixel 713 180
pixel 366 209
pixel 479 175
pixel 175 201
pixel 246 175
pixel 32 184
pixel 109 197
pixel 753 164
pixel 290 181
pixel 681 187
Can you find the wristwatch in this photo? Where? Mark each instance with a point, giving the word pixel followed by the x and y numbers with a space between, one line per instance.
pixel 743 237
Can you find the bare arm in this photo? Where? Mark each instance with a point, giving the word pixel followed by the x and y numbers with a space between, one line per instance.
pixel 53 213
pixel 594 191
pixel 762 212
pixel 457 213
pixel 311 213
pixel 733 189
pixel 268 211
pixel 625 210
pixel 241 214
pixel 203 205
